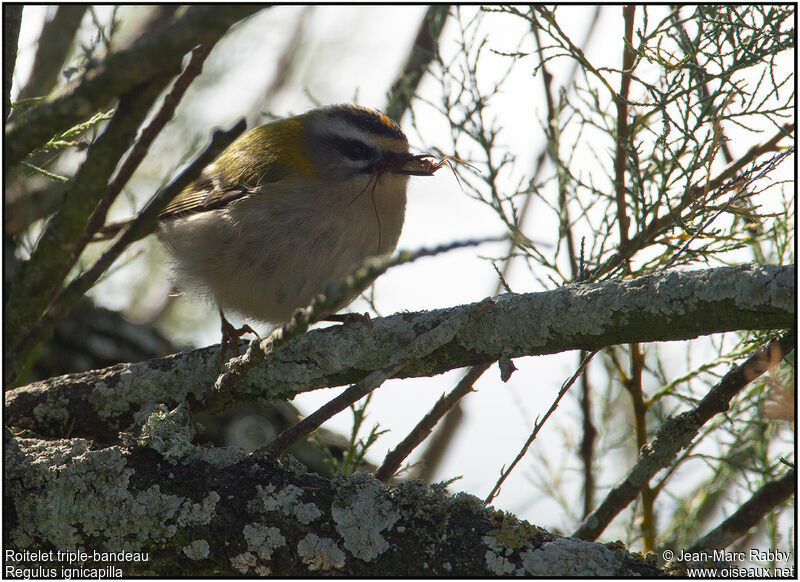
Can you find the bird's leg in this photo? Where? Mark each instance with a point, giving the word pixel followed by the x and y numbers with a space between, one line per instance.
pixel 230 336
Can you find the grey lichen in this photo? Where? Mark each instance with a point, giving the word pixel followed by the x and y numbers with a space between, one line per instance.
pixel 320 553
pixel 215 456
pixel 167 431
pixel 170 433
pixel 156 511
pixel 85 493
pixel 498 557
pixel 286 498
pixel 288 501
pixel 306 513
pixel 197 550
pixel 262 539
pixel 105 400
pixel 570 557
pixel 499 565
pixel 263 500
pixel 561 557
pixel 361 513
pixel 199 513
pixel 55 413
pixel 244 562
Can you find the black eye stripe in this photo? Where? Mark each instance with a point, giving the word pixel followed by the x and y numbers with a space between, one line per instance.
pixel 353 149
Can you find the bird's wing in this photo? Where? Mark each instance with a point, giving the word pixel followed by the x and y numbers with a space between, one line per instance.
pixel 196 199
pixel 247 166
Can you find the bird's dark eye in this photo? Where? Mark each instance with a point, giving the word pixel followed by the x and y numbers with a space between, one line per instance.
pixel 354 149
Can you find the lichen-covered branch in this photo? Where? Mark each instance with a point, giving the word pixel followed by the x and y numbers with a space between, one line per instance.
pixel 176 507
pixel 669 306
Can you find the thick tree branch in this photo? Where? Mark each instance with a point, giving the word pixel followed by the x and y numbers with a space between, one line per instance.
pixel 207 511
pixel 669 306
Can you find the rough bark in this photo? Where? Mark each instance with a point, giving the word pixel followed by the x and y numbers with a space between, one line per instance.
pixel 176 507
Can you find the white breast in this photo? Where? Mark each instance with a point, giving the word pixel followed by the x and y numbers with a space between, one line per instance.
pixel 269 253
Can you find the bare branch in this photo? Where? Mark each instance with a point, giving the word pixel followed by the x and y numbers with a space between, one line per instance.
pixel 394 458
pixel 423 51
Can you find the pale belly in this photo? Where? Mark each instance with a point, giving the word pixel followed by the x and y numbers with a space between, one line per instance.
pixel 266 268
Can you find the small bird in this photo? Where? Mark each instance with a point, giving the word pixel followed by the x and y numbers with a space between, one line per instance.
pixel 289 206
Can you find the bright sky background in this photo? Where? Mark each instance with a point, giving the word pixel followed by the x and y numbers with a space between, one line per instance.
pixel 352 53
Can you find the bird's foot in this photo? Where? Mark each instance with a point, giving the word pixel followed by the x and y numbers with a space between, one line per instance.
pixel 230 337
pixel 351 318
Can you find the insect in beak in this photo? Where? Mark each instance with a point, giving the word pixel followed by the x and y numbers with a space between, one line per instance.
pixel 419 165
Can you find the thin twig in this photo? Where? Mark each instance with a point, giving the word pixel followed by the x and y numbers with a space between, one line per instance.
pixel 720 184
pixel 741 194
pixel 537 427
pixel 621 154
pixel 421 346
pixel 145 140
pixel 420 432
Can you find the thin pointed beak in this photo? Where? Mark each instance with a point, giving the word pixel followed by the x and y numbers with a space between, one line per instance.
pixel 409 164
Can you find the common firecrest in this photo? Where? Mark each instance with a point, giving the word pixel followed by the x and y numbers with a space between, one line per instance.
pixel 289 206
